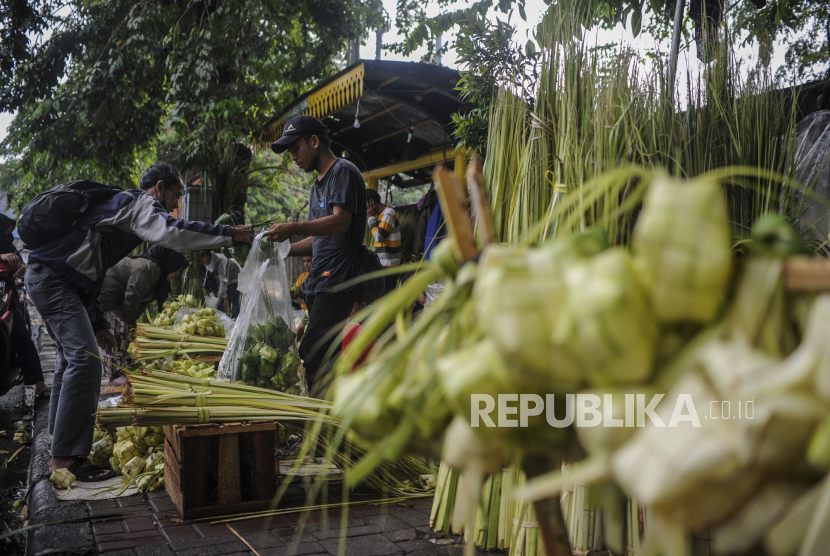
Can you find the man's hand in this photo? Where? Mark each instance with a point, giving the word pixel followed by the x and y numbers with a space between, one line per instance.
pixel 370 210
pixel 11 258
pixel 280 232
pixel 106 341
pixel 21 272
pixel 243 234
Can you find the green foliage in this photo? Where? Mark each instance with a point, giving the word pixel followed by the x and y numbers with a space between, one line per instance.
pixel 94 99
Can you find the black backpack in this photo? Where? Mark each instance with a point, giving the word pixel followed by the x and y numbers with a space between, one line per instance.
pixel 52 213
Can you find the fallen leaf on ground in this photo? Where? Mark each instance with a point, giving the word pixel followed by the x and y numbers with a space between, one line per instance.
pixel 4 451
pixel 406 504
pixel 176 520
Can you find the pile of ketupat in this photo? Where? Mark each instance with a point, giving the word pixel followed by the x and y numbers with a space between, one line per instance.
pixel 135 452
pixel 671 315
pixel 167 316
pixel 203 322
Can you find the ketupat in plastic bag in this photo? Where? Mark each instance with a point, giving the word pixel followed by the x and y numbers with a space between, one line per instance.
pixel 261 348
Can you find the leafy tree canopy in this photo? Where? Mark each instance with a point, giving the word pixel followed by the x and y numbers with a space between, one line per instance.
pixel 120 82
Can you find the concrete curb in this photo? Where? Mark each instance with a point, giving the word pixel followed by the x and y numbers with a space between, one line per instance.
pixel 52 540
pixel 70 538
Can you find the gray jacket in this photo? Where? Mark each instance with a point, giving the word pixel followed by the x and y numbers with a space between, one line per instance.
pixel 128 287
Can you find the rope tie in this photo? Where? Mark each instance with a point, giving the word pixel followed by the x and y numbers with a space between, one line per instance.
pixel 205 382
pixel 202 415
pixel 201 400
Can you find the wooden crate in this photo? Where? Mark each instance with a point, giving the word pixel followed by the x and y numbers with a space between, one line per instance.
pixel 194 453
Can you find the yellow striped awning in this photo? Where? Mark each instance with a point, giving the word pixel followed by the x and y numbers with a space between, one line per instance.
pixel 328 99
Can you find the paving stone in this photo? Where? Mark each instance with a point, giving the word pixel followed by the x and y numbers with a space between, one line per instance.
pixel 375 510
pixel 387 522
pixel 127 501
pixel 201 541
pixel 126 536
pixel 133 542
pixel 350 532
pixel 314 527
pixel 107 527
pixel 418 544
pixel 96 504
pixel 216 549
pixel 293 550
pixel 415 518
pixel 154 550
pixel 162 504
pixel 423 504
pixel 179 533
pixel 140 524
pixel 370 545
pixel 271 522
pixel 400 535
pixel 208 530
pixel 262 539
pixel 291 535
pixel 160 493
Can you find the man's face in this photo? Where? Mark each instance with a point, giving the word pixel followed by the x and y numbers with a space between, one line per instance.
pixel 307 263
pixel 304 154
pixel 170 195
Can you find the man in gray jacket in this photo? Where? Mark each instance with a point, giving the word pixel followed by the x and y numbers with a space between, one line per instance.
pixel 65 277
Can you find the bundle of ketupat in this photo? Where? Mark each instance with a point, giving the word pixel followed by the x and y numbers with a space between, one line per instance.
pixel 139 453
pixel 167 317
pixel 604 321
pixel 203 322
pixel 190 367
pixel 267 361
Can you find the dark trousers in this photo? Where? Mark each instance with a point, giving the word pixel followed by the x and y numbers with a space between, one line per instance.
pixel 233 297
pixel 327 315
pixel 23 345
pixel 77 382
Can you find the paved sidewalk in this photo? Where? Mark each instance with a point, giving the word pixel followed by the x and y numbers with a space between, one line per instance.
pixel 151 525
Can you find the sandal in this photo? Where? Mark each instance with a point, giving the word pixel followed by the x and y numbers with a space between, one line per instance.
pixel 44 394
pixel 87 474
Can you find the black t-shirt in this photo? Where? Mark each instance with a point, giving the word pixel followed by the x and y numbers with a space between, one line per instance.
pixel 331 264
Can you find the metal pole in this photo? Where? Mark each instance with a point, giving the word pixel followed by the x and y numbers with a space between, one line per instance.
pixel 679 8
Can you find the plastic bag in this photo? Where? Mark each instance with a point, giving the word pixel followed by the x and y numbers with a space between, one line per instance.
pixel 812 158
pixel 261 350
pixel 223 318
pixel 432 292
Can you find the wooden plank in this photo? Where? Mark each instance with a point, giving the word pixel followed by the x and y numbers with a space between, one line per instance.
pixel 172 436
pixel 807 274
pixel 455 211
pixel 195 466
pixel 263 465
pixel 202 430
pixel 229 491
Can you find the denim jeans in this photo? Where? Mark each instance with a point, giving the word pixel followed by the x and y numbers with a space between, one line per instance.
pixel 77 381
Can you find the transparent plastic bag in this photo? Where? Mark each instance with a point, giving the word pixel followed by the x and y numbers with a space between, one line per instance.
pixel 261 350
pixel 432 292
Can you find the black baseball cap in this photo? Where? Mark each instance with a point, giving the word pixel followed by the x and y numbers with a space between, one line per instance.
pixel 294 128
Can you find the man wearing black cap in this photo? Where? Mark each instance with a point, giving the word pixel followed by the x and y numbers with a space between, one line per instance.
pixel 336 226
